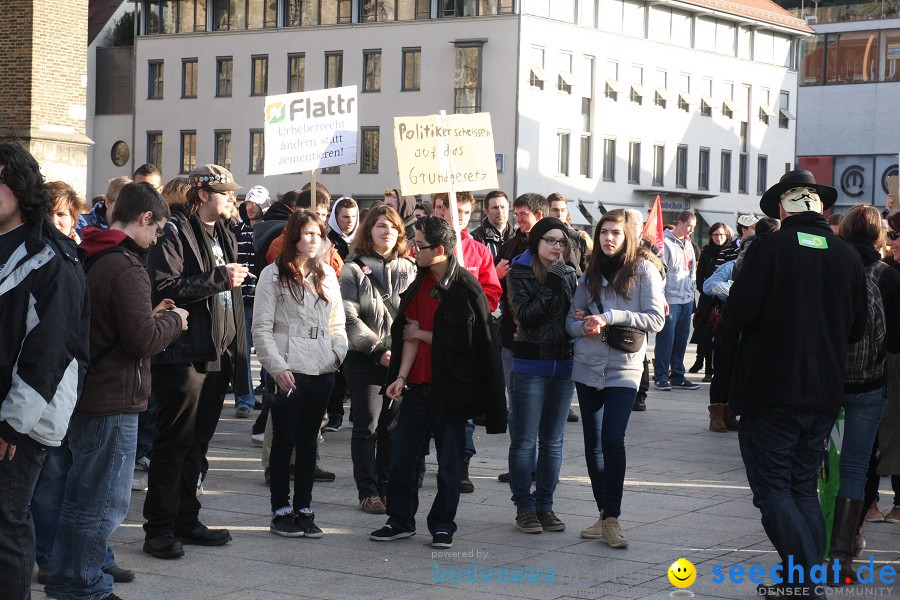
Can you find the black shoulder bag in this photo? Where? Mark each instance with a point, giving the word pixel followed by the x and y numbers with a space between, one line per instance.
pixel 621 337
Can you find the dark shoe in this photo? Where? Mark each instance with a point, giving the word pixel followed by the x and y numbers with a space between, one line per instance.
pixel 334 423
pixel 707 379
pixel 268 475
pixel 388 534
pixel 322 475
pixel 242 412
pixel 465 485
pixel 549 521
pixel 119 574
pixel 260 389
pixel 663 386
pixel 685 385
pixel 420 480
pixel 164 546
pixel 201 535
pixel 843 533
pixel 731 421
pixel 640 404
pixel 42 575
pixel 284 526
pixel 528 522
pixel 442 540
pixel 572 418
pixel 111 596
pixel 480 421
pixel 372 505
pixel 504 477
pixel 306 522
pixel 695 368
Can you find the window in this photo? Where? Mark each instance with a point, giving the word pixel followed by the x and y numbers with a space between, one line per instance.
pixel 334 69
pixel 370 139
pixel 703 169
pixel 850 58
pixel 467 79
pixel 609 159
pixel 155 71
pixel 586 114
pixel 725 174
pixel 259 75
pixel 222 154
pixel 372 11
pixel 681 166
pixel 742 173
pixel 634 162
pixel 659 164
pixel 684 92
pixel 257 151
pixel 296 72
pixel 189 78
pixel 706 101
pixel 584 168
pixel 611 90
pixel 537 76
pixel 229 15
pixel 303 13
pixel 155 148
pixel 371 71
pixel 762 164
pixel 562 153
pixel 765 111
pixel 784 113
pixel 188 151
pixel 564 78
pixel 224 71
pixel 661 97
pixel 412 69
pixel 166 16
pixel 331 170
pixel 728 100
pixel 472 8
pixel 743 136
pixel 636 94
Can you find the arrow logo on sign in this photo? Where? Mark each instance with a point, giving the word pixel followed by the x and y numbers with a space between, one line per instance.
pixel 275 112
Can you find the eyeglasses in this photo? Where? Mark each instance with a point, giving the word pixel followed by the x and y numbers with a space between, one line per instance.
pixel 893 235
pixel 160 229
pixel 418 247
pixel 556 241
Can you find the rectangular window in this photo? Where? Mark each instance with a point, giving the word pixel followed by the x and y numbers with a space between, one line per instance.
pixel 725 173
pixel 586 114
pixel 681 166
pixel 155 148
pixel 742 173
pixel 188 151
pixel 257 151
pixel 743 136
pixel 467 79
pixel 537 76
pixel 371 71
pixel 224 70
pixel 659 164
pixel 259 75
pixel 703 169
pixel 661 97
pixel 784 112
pixel 609 159
pixel 562 153
pixel 706 101
pixel 728 100
pixel 849 57
pixel 584 168
pixel 334 69
pixel 296 72
pixel 611 90
pixel 762 165
pixel 222 154
pixel 564 77
pixel 189 78
pixel 155 71
pixel 634 162
pixel 229 15
pixel 472 8
pixel 636 94
pixel 370 141
pixel 684 92
pixel 412 70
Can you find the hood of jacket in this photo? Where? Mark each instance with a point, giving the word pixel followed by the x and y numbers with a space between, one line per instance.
pixel 866 250
pixel 278 212
pixel 333 224
pixel 95 240
pixel 523 259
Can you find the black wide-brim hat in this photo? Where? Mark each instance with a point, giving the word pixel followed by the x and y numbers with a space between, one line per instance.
pixel 799 178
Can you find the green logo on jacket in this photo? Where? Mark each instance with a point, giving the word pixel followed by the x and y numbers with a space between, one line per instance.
pixel 817 242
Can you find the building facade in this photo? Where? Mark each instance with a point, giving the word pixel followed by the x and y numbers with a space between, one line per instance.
pixel 610 102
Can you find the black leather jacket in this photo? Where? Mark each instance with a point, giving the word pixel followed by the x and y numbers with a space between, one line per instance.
pixel 540 314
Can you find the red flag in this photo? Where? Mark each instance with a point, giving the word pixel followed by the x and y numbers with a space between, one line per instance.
pixel 653 227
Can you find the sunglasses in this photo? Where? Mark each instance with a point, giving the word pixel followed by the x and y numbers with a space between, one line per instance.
pixel 893 235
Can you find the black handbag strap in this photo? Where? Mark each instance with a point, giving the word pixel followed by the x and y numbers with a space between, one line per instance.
pixel 385 297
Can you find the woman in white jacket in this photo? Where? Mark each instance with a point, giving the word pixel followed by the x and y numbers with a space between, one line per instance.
pixel 298 331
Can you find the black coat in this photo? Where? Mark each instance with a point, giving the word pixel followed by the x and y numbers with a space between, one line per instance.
pixel 540 314
pixel 797 308
pixel 706 266
pixel 466 374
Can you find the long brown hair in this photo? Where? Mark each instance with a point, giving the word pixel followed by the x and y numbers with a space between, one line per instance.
pixel 363 244
pixel 629 255
pixel 863 221
pixel 289 273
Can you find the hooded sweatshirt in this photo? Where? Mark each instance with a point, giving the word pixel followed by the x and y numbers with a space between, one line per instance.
pixel 682 267
pixel 342 241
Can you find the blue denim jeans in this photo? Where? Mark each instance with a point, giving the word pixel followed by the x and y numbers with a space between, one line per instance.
pixel 249 400
pixel 98 493
pixel 782 449
pixel 862 416
pixel 604 418
pixel 539 408
pixel 47 501
pixel 671 343
pixel 417 414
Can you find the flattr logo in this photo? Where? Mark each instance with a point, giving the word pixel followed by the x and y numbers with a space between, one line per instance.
pixel 275 112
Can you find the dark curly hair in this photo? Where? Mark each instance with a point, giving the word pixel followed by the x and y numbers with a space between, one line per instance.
pixel 22 174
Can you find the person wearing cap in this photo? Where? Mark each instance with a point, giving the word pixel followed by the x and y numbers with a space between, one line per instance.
pixel 798 300
pixel 746 226
pixel 195 263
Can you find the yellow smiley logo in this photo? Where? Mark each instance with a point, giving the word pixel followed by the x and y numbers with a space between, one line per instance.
pixel 682 573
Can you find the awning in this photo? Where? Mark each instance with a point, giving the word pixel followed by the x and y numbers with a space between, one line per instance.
pixel 566 78
pixel 608 206
pixel 728 103
pixel 538 73
pixel 686 97
pixel 663 93
pixel 614 85
pixel 766 110
pixel 785 113
pixel 593 209
pixel 577 217
pixel 708 101
pixel 712 216
pixel 638 89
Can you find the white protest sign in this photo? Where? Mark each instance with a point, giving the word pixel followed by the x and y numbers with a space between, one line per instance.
pixel 310 130
pixel 440 153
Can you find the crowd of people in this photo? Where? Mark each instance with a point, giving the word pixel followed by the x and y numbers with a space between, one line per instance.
pixel 158 296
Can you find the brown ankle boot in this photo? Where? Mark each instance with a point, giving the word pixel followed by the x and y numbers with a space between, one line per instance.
pixel 731 421
pixel 717 418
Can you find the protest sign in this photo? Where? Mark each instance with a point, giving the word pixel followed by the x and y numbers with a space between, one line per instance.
pixel 440 153
pixel 310 130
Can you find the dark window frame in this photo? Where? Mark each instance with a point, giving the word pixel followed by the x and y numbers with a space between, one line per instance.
pixel 300 58
pixel 406 52
pixel 365 167
pixel 375 56
pixel 257 168
pixel 338 56
pixel 194 78
pixel 187 163
pixel 156 79
pixel 256 61
pixel 224 76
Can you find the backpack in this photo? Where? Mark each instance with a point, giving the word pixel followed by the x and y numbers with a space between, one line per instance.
pixel 865 359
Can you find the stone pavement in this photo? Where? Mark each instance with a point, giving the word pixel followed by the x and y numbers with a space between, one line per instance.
pixel 686 495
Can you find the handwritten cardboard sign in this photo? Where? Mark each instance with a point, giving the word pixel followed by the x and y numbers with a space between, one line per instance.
pixel 310 130
pixel 438 152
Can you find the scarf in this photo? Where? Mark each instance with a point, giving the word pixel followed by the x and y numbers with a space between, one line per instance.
pixel 609 265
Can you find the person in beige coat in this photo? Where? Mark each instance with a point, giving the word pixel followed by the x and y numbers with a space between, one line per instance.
pixel 299 335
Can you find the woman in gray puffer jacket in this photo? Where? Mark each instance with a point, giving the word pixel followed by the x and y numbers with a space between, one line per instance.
pixel 375 273
pixel 621 287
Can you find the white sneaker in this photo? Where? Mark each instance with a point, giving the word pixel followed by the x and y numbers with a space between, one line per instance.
pixel 143 463
pixel 257 439
pixel 140 481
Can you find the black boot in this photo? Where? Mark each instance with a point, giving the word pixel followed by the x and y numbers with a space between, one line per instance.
pixel 843 532
pixel 466 486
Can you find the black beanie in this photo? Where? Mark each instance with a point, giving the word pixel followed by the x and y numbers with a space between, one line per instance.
pixel 542 227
